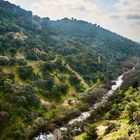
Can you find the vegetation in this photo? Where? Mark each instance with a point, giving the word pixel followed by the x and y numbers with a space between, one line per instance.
pixel 120 120
pixel 91 133
pixel 44 63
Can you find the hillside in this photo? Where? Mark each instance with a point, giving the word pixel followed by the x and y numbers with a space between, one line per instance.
pixel 120 117
pixel 45 65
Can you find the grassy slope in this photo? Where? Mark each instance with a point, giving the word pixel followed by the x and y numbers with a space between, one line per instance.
pixel 122 120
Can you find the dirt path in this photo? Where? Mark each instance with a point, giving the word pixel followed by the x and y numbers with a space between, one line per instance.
pixel 73 71
pixel 79 77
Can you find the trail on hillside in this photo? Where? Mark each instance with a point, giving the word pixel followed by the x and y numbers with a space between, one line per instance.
pixel 73 71
pixel 79 76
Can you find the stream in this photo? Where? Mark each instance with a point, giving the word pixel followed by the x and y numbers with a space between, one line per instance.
pixel 58 133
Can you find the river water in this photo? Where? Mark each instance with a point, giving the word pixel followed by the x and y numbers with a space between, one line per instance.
pixel 84 115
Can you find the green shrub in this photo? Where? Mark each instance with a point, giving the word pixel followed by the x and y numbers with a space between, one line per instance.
pixel 91 132
pixel 25 72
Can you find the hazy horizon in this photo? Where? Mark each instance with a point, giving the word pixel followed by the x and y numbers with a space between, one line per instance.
pixel 120 16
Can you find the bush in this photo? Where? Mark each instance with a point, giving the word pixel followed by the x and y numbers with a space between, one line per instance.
pixel 91 132
pixel 20 95
pixel 132 108
pixel 12 51
pixel 4 61
pixel 136 117
pixel 21 62
pixel 113 114
pixel 31 56
pixel 25 72
pixel 93 96
pixel 50 83
pixel 63 88
pixel 112 126
pixel 74 79
pixel 3 116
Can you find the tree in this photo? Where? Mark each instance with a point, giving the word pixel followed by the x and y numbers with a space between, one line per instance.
pixel 12 51
pixel 111 126
pixel 25 72
pixel 8 86
pixel 91 132
pixel 3 116
pixel 132 108
pixel 74 79
pixel 1 51
pixel 31 56
pixel 63 88
pixel 136 117
pixel 4 61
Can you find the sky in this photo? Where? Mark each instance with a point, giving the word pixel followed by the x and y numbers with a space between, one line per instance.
pixel 120 16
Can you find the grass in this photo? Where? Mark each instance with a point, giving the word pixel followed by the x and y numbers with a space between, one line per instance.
pixel 35 65
pixel 13 69
pixel 98 83
pixel 122 132
pixel 80 137
pixel 124 121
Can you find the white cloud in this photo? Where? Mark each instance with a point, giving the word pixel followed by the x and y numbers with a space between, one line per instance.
pixel 58 9
pixel 127 19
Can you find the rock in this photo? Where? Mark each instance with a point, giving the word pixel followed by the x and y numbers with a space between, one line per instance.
pixel 44 104
pixel 69 103
pixel 3 116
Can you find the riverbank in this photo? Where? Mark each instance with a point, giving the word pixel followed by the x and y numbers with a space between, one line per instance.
pixel 73 125
pixel 121 119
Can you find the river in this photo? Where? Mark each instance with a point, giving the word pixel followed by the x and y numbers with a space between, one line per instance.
pixel 57 134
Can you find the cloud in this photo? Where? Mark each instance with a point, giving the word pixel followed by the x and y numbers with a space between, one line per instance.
pixel 126 19
pixel 114 16
pixel 133 17
pixel 58 9
pixel 128 7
